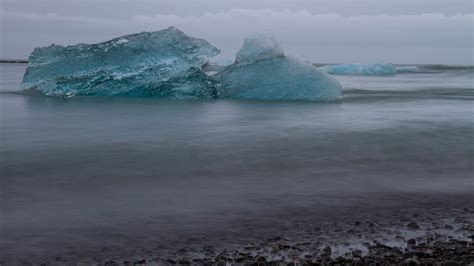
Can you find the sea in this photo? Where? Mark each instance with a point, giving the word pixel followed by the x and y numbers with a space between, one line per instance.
pixel 82 174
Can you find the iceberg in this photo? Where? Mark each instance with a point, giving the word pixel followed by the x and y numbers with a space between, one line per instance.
pixel 224 62
pixel 262 71
pixel 361 69
pixel 164 63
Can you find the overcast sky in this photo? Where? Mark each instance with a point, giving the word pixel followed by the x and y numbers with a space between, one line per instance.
pixel 398 31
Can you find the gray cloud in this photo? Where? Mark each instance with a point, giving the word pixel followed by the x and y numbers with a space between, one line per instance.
pixel 335 33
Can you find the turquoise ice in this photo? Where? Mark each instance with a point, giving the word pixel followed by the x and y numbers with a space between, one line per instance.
pixel 164 63
pixel 262 71
pixel 381 69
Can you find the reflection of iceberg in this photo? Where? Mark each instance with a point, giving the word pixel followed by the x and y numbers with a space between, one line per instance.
pixel 164 63
pixel 262 71
pixel 407 69
pixel 361 69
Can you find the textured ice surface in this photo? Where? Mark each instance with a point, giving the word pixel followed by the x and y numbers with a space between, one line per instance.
pixel 361 69
pixel 258 47
pixel 224 62
pixel 262 71
pixel 214 67
pixel 164 63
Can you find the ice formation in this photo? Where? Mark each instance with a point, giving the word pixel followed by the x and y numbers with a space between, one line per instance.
pixel 224 62
pixel 258 47
pixel 164 63
pixel 361 69
pixel 262 71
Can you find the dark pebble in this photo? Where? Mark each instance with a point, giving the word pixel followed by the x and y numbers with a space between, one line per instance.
pixel 448 227
pixel 274 239
pixel 357 253
pixel 413 226
pixel 411 262
pixel 327 250
pixel 450 263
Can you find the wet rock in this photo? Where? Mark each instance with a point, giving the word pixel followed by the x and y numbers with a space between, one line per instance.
pixel 411 262
pixel 450 263
pixel 357 253
pixel 372 225
pixel 327 251
pixel 340 259
pixel 411 242
pixel 448 227
pixel 274 239
pixel 413 226
pixel 357 262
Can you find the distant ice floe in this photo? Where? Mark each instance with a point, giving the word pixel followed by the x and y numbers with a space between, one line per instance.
pixel 379 69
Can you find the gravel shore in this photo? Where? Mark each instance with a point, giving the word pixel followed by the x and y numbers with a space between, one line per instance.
pixel 435 236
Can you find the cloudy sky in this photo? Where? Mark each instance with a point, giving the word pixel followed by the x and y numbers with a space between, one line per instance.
pixel 398 31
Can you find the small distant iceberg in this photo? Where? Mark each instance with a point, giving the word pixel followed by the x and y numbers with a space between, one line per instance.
pixel 164 63
pixel 262 71
pixel 380 69
pixel 408 69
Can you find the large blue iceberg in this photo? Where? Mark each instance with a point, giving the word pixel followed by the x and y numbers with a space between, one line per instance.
pixel 262 71
pixel 164 63
pixel 361 69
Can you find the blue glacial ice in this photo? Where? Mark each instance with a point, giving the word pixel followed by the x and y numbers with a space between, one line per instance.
pixel 224 62
pixel 262 71
pixel 381 69
pixel 164 63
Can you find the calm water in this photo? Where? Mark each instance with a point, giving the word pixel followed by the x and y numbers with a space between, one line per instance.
pixel 112 170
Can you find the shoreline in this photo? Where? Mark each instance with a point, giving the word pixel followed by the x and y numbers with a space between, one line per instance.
pixel 423 234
